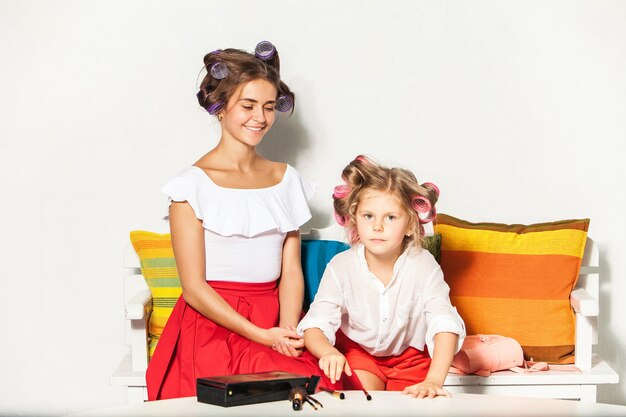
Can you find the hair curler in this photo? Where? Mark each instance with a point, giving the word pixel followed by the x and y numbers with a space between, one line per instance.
pixel 284 103
pixel 215 108
pixel 421 204
pixel 219 70
pixel 265 50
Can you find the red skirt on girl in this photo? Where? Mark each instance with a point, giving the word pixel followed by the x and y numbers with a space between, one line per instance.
pixel 397 372
pixel 192 346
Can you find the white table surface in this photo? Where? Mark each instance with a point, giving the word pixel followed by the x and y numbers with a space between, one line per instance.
pixel 383 404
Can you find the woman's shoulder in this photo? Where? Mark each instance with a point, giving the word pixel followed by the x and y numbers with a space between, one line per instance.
pixel 296 182
pixel 276 170
pixel 190 176
pixel 228 210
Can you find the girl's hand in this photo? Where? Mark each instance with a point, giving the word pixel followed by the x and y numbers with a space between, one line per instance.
pixel 333 364
pixel 426 389
pixel 291 347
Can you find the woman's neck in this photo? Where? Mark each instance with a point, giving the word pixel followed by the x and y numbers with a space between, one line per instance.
pixel 238 157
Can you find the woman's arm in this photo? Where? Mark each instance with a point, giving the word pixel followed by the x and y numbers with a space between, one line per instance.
pixel 291 294
pixel 291 286
pixel 188 244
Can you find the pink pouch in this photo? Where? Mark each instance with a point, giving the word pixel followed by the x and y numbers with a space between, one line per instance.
pixel 482 354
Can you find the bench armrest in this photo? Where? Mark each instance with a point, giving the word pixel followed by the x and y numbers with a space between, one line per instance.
pixel 138 306
pixel 584 303
pixel 137 311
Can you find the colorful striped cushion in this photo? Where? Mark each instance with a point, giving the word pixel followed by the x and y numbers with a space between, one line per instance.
pixel 159 269
pixel 516 280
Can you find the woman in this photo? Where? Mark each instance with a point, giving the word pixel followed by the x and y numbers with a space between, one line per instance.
pixel 234 220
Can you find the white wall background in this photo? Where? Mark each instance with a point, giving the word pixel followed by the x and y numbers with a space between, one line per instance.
pixel 515 109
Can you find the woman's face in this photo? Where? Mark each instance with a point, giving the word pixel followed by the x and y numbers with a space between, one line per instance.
pixel 250 112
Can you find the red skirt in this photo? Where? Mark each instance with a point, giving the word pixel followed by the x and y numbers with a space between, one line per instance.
pixel 193 346
pixel 397 372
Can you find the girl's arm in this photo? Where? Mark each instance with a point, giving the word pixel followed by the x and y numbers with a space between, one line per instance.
pixel 331 361
pixel 432 386
pixel 188 244
pixel 444 336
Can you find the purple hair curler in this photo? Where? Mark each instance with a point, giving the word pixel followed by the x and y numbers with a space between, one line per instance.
pixel 265 50
pixel 215 108
pixel 284 103
pixel 219 70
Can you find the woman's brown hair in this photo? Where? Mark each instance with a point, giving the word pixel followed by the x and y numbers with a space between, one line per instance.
pixel 242 67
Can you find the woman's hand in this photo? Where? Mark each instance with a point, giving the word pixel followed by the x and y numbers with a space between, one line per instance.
pixel 333 364
pixel 284 341
pixel 292 346
pixel 426 389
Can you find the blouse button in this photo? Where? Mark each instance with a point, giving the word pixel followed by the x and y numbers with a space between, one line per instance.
pixel 380 342
pixel 384 319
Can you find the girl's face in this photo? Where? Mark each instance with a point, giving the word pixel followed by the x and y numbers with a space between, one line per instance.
pixel 382 223
pixel 250 112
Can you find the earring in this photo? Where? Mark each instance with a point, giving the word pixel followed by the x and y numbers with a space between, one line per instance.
pixel 219 117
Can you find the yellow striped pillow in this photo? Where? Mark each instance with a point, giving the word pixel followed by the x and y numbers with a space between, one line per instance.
pixel 515 280
pixel 159 269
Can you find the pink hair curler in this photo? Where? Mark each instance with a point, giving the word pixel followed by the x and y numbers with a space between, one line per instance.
pixel 342 191
pixel 433 186
pixel 340 219
pixel 421 204
pixel 429 218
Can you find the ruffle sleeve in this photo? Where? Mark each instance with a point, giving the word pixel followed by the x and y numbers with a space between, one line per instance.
pixel 246 212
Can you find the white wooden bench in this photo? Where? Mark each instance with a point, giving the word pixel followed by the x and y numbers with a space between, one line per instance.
pixel 549 384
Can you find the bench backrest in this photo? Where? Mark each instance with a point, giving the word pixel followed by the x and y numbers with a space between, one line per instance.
pixel 589 278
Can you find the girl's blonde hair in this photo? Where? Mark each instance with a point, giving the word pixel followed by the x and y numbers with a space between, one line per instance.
pixel 363 175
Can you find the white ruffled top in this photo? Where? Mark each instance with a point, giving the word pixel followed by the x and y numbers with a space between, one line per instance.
pixel 244 228
pixel 246 212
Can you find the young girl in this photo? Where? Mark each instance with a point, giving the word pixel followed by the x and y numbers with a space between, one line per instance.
pixel 386 295
pixel 234 219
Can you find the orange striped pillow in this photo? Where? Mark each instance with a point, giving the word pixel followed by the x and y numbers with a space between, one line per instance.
pixel 515 280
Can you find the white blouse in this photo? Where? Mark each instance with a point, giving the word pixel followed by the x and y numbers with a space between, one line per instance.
pixel 244 228
pixel 385 321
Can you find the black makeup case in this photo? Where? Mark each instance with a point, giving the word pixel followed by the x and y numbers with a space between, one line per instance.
pixel 230 390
